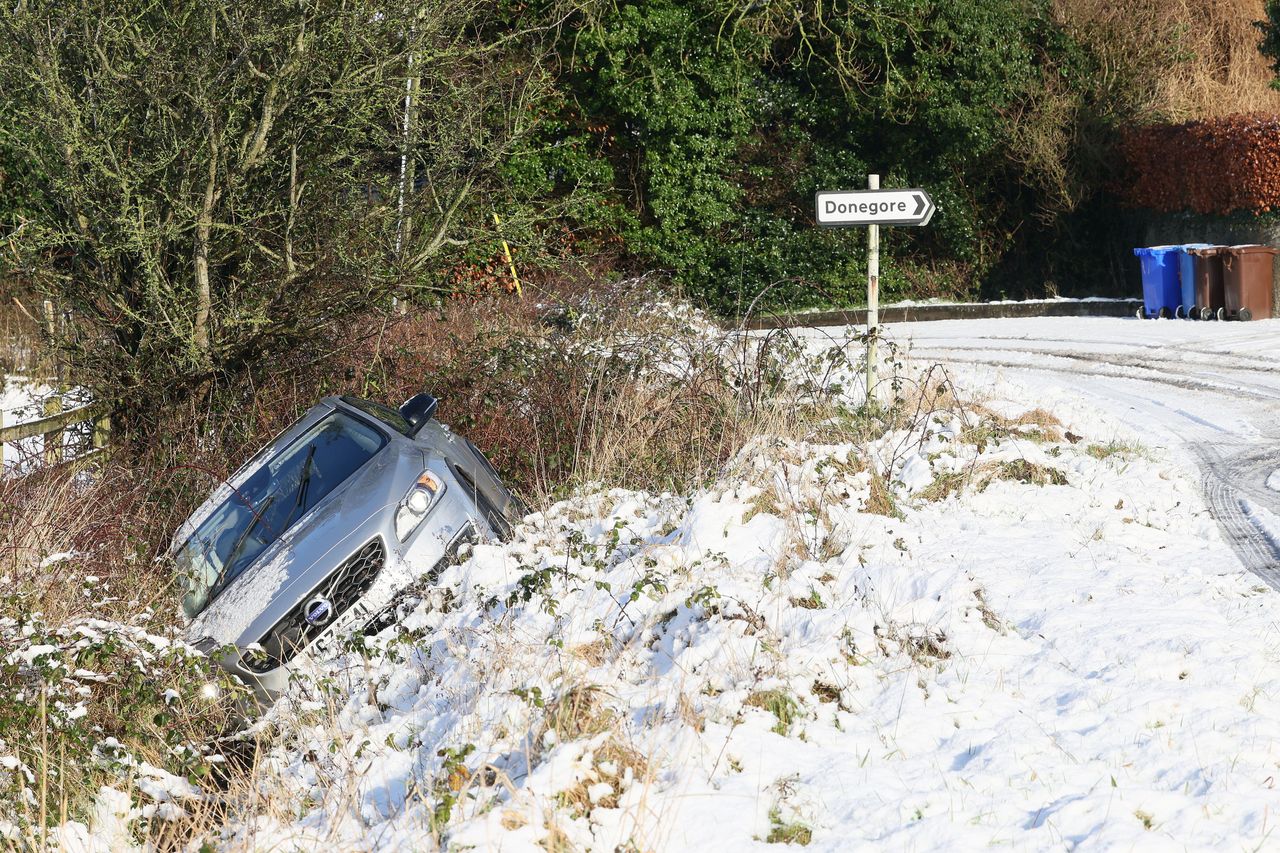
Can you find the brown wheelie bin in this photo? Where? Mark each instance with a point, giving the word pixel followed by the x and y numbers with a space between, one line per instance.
pixel 1207 274
pixel 1246 281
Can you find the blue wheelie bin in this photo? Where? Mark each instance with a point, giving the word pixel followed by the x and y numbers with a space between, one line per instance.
pixel 1161 291
pixel 1187 280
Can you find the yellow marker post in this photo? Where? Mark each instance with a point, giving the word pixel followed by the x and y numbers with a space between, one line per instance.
pixel 506 250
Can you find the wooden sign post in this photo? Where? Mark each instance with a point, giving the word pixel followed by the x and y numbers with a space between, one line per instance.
pixel 873 207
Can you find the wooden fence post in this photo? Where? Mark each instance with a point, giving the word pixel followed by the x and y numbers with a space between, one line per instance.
pixel 53 438
pixel 101 432
pixel 54 405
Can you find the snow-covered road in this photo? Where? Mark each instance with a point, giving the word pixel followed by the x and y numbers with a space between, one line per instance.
pixel 1209 392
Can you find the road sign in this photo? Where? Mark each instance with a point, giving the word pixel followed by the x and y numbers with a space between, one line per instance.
pixel 874 207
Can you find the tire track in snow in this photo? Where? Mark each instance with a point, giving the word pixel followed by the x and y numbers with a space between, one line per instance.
pixel 1233 471
pixel 1212 357
pixel 1160 368
pixel 1186 384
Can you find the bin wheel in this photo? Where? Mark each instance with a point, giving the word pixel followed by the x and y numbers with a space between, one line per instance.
pixel 1206 313
pixel 1245 314
pixel 1164 313
pixel 1141 314
pixel 1222 314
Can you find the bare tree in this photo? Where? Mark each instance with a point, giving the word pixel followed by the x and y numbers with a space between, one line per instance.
pixel 222 176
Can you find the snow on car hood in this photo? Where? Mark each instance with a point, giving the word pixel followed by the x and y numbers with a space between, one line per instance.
pixel 229 616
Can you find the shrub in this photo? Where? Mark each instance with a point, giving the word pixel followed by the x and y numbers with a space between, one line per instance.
pixel 699 135
pixel 92 701
pixel 1215 166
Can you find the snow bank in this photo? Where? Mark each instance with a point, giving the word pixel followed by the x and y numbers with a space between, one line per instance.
pixel 1077 663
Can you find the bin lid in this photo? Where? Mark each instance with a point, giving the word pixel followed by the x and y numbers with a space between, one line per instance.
pixel 1253 249
pixel 1190 247
pixel 1209 251
pixel 1154 251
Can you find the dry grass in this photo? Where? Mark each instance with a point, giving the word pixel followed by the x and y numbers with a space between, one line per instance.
pixel 594 653
pixel 1115 448
pixel 1190 58
pixel 578 712
pixel 927 648
pixel 765 503
pixel 778 702
pixel 689 713
pixel 944 486
pixel 556 840
pixel 104 522
pixel 612 389
pixel 984 425
pixel 1047 427
pixel 1020 471
pixel 881 500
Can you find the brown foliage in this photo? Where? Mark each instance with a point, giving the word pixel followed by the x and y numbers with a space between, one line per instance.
pixel 1213 166
pixel 585 394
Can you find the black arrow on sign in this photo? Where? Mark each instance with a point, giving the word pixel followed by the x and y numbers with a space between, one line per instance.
pixel 920 204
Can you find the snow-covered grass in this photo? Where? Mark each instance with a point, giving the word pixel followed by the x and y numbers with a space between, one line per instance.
pixel 98 701
pixel 1057 651
pixel 960 619
pixel 651 396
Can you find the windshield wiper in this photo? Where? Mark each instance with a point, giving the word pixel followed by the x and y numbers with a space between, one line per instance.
pixel 240 542
pixel 304 483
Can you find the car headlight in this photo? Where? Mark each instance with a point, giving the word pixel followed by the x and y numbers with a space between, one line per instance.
pixel 417 504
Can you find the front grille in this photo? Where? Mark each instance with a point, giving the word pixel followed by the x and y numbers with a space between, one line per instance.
pixel 315 613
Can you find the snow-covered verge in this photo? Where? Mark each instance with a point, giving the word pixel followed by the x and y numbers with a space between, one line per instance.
pixel 94 708
pixel 991 624
pixel 1027 637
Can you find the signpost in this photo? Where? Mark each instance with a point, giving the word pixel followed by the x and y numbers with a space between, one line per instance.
pixel 873 207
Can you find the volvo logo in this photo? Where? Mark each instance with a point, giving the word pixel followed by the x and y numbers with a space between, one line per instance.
pixel 318 611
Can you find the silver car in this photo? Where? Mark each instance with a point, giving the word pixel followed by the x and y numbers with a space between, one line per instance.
pixel 324 529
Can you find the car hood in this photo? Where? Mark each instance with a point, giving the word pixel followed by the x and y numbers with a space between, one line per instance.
pixel 303 558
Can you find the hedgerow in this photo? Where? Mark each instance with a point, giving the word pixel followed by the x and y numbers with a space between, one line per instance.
pixel 700 133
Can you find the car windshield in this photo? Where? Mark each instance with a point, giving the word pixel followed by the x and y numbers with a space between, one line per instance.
pixel 269 502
